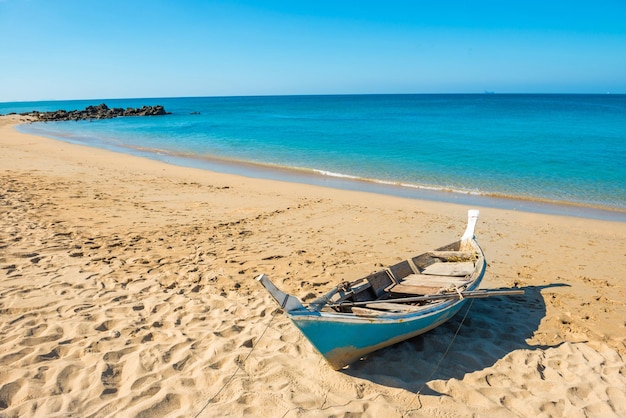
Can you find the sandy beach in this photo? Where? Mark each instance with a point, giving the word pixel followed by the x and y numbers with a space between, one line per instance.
pixel 127 290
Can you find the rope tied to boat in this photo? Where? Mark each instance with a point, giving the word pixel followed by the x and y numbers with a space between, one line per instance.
pixel 239 365
pixel 319 303
pixel 443 356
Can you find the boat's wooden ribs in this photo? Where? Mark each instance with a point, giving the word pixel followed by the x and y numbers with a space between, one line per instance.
pixel 402 269
pixel 445 269
pixel 380 281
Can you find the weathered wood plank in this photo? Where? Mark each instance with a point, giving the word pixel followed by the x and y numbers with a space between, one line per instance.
pixel 431 280
pixel 450 269
pixel 453 255
pixel 406 289
pixel 368 313
pixel 394 307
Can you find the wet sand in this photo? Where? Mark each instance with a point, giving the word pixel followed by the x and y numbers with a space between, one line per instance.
pixel 127 289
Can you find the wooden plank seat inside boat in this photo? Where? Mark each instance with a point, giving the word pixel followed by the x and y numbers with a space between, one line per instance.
pixel 434 281
pixel 383 309
pixel 406 289
pixel 458 269
pixel 370 313
pixel 393 307
pixel 422 284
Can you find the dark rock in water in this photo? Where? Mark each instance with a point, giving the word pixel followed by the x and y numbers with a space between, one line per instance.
pixel 101 111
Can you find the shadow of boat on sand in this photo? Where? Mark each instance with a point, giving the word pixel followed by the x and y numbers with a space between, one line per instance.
pixel 492 328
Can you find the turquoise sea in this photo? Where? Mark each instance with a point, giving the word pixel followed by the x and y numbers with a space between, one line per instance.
pixel 562 154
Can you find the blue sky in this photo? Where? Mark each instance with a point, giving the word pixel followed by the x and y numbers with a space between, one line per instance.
pixel 70 49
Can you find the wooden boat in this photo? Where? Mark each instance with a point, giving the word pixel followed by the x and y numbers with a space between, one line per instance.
pixel 393 304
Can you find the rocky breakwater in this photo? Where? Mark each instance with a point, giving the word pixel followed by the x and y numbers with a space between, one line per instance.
pixel 101 111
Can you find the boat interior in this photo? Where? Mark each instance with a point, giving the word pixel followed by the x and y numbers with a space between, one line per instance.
pixel 447 269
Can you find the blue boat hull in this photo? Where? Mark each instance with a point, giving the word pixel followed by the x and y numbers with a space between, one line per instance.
pixel 343 339
pixel 402 301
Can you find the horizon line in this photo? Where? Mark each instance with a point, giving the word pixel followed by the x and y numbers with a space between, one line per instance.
pixel 486 93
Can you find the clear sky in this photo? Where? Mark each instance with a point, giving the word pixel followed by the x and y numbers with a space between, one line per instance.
pixel 79 49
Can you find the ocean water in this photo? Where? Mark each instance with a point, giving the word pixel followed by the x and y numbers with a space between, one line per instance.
pixel 550 153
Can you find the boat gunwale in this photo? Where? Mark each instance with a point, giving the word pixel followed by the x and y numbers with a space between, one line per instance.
pixel 383 318
pixel 301 315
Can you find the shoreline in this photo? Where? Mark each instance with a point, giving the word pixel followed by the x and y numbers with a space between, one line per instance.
pixel 127 288
pixel 351 183
pixel 386 188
